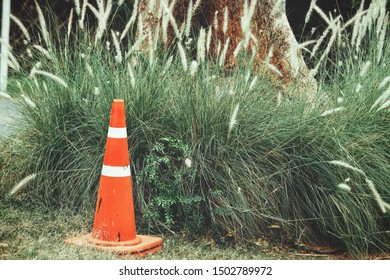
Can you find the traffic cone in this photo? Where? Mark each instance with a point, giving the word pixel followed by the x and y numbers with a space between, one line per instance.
pixel 114 225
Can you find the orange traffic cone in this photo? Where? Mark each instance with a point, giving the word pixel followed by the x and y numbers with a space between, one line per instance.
pixel 114 226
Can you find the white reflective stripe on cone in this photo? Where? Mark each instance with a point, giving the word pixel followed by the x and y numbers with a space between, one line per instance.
pixel 119 133
pixel 116 171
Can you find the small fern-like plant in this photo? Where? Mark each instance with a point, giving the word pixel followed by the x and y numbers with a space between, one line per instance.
pixel 167 169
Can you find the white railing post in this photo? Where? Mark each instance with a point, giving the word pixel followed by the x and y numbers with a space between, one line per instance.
pixel 5 21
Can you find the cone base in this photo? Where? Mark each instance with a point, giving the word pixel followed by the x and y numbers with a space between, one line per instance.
pixel 148 245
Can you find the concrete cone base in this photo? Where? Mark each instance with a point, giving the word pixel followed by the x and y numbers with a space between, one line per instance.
pixel 148 245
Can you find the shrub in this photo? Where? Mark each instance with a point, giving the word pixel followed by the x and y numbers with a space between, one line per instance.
pixel 213 149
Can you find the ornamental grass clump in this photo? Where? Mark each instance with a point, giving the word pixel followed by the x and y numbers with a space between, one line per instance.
pixel 211 150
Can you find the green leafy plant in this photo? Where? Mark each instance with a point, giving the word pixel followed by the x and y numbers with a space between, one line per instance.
pixel 166 171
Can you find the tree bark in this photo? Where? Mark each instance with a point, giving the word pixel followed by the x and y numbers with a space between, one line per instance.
pixel 270 40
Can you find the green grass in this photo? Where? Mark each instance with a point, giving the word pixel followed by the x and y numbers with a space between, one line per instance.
pixel 29 231
pixel 269 166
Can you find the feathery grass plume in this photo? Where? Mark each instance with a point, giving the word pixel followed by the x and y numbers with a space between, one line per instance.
pixel 319 41
pixel 29 52
pixel 193 68
pixel 333 26
pixel 168 64
pixel 208 41
pixel 168 12
pixel 96 91
pixel 237 49
pixel 77 6
pixel 19 86
pixel 183 56
pixel 42 24
pixel 253 83
pixel 135 46
pixel 371 12
pixel 332 111
pixel 322 14
pixel 382 39
pixel 140 26
pixel 376 195
pixel 22 183
pixel 36 82
pixel 188 162
pixel 362 32
pixel 28 101
pixel 70 20
pixel 254 39
pixel 279 99
pixel 346 165
pixel 353 19
pixel 83 11
pixel 310 11
pixel 164 24
pixel 196 6
pixel 252 8
pixel 246 20
pixel 273 68
pixel 233 119
pixel 201 48
pixel 344 187
pixel 380 21
pixel 384 82
pixel 88 68
pixel 329 46
pixel 118 57
pixel 22 27
pixel 55 78
pixel 94 11
pixel 13 62
pixel 156 37
pixel 339 35
pixel 151 47
pixel 159 12
pixel 189 19
pixel 43 51
pixel 222 58
pixel 34 68
pixel 101 15
pixel 11 65
pixel 132 76
pixel 215 22
pixel 130 22
pixel 356 23
pixel 306 43
pixel 247 77
pixel 384 105
pixel 120 2
pixel 225 20
pixel 365 67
